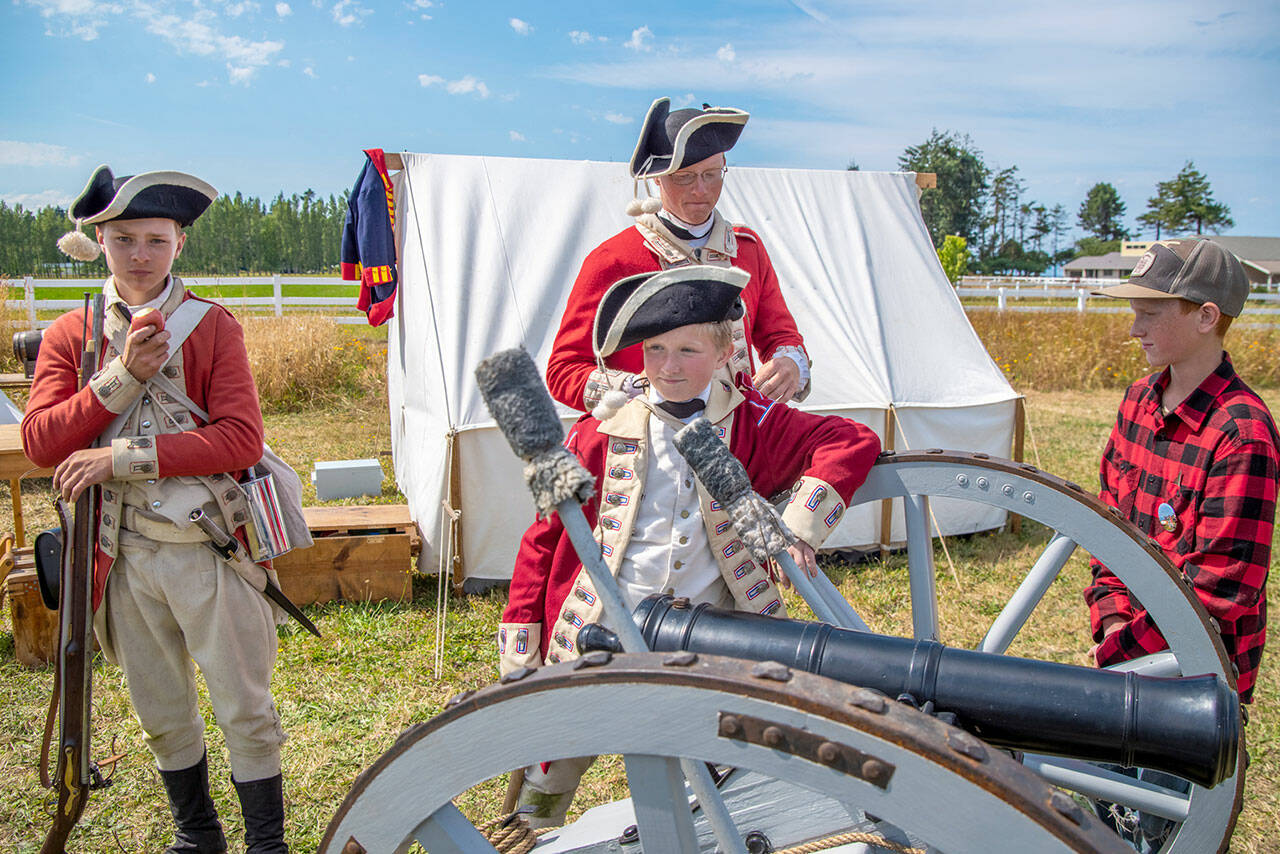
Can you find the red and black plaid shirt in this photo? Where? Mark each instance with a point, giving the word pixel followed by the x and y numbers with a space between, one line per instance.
pixel 1214 461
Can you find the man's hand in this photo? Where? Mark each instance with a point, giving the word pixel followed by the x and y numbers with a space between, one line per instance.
pixel 82 470
pixel 145 352
pixel 778 379
pixel 805 559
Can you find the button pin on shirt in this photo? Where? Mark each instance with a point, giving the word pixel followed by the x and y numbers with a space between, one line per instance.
pixel 1167 518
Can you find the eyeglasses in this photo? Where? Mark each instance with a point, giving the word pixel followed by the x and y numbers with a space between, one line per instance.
pixel 711 177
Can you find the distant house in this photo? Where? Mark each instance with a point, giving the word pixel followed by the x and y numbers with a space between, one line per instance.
pixel 1259 255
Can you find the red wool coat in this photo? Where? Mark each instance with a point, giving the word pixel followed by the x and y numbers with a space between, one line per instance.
pixel 777 445
pixel 769 324
pixel 62 418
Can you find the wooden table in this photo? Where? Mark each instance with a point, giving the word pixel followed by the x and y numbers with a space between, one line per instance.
pixel 14 466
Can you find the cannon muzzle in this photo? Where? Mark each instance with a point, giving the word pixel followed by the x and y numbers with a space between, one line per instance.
pixel 1187 726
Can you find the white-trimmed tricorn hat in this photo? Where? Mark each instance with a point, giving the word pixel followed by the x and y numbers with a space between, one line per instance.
pixel 670 141
pixel 649 304
pixel 170 195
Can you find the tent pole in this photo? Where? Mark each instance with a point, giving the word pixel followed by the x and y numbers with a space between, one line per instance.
pixel 455 503
pixel 886 506
pixel 1019 430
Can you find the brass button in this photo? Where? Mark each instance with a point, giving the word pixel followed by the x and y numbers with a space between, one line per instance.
pixel 155 504
pixel 684 514
pixel 146 423
pixel 684 541
pixel 679 564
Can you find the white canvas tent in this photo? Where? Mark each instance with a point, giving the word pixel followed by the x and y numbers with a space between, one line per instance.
pixel 489 248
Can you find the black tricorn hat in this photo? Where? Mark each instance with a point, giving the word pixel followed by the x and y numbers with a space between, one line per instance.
pixel 172 195
pixel 671 141
pixel 649 304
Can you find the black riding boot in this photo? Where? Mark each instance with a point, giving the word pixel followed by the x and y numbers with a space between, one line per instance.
pixel 262 803
pixel 193 811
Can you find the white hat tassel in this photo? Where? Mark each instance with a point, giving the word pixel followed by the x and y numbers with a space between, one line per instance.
pixel 78 245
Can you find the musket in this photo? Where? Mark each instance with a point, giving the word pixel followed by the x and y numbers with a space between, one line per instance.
pixel 75 773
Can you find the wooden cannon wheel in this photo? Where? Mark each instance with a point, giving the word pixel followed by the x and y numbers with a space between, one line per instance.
pixel 1078 519
pixel 853 746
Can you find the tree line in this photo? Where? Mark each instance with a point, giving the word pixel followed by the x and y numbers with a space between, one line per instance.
pixel 981 220
pixel 237 235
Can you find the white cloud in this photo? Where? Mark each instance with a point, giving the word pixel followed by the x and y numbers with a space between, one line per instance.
pixel 310 72
pixel 203 84
pixel 348 12
pixel 14 153
pixel 515 136
pixel 522 28
pixel 579 36
pixel 463 86
pixel 284 63
pixel 151 78
pixel 467 85
pixel 726 53
pixel 682 101
pixel 196 35
pixel 617 118
pixel 235 10
pixel 420 6
pixel 80 18
pixel 283 10
pixel 641 39
pixel 35 201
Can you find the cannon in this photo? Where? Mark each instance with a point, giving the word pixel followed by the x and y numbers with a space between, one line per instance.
pixel 813 757
pixel 1189 726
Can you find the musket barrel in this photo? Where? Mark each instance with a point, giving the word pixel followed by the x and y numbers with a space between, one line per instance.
pixel 1184 726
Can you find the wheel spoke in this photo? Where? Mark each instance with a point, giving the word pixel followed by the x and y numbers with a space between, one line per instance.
pixel 1105 785
pixel 1014 616
pixel 924 599
pixel 662 808
pixel 447 831
pixel 704 788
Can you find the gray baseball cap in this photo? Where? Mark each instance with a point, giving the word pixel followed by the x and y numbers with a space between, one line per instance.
pixel 1197 270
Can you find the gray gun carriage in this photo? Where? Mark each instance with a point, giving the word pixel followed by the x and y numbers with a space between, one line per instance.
pixel 931 748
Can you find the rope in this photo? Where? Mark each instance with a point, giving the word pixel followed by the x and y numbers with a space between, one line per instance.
pixel 511 834
pixel 449 518
pixel 1031 434
pixel 847 839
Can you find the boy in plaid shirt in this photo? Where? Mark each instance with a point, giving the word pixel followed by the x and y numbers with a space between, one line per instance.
pixel 1192 459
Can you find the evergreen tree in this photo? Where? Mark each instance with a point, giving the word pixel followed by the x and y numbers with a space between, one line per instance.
pixel 955 205
pixel 1102 213
pixel 1185 202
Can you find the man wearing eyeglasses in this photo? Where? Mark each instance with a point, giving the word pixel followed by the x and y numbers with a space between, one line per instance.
pixel 684 153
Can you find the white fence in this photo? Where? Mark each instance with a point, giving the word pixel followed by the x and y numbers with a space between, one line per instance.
pixel 1008 289
pixel 342 309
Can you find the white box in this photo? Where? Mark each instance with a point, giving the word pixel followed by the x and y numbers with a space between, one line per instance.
pixel 347 479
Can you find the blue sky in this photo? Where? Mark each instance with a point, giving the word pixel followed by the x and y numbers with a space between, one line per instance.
pixel 268 96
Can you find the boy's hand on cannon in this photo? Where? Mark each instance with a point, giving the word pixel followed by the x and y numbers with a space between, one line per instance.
pixel 805 558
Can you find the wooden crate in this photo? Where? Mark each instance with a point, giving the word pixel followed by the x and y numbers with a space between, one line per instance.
pixel 361 554
pixel 35 627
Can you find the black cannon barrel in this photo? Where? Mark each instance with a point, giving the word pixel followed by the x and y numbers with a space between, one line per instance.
pixel 1186 726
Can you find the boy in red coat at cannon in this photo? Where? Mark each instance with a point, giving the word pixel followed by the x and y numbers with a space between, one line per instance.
pixel 658 529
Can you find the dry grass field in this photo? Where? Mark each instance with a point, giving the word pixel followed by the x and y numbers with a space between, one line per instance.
pixel 345 697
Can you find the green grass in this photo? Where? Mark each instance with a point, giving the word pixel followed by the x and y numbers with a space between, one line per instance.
pixel 344 698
